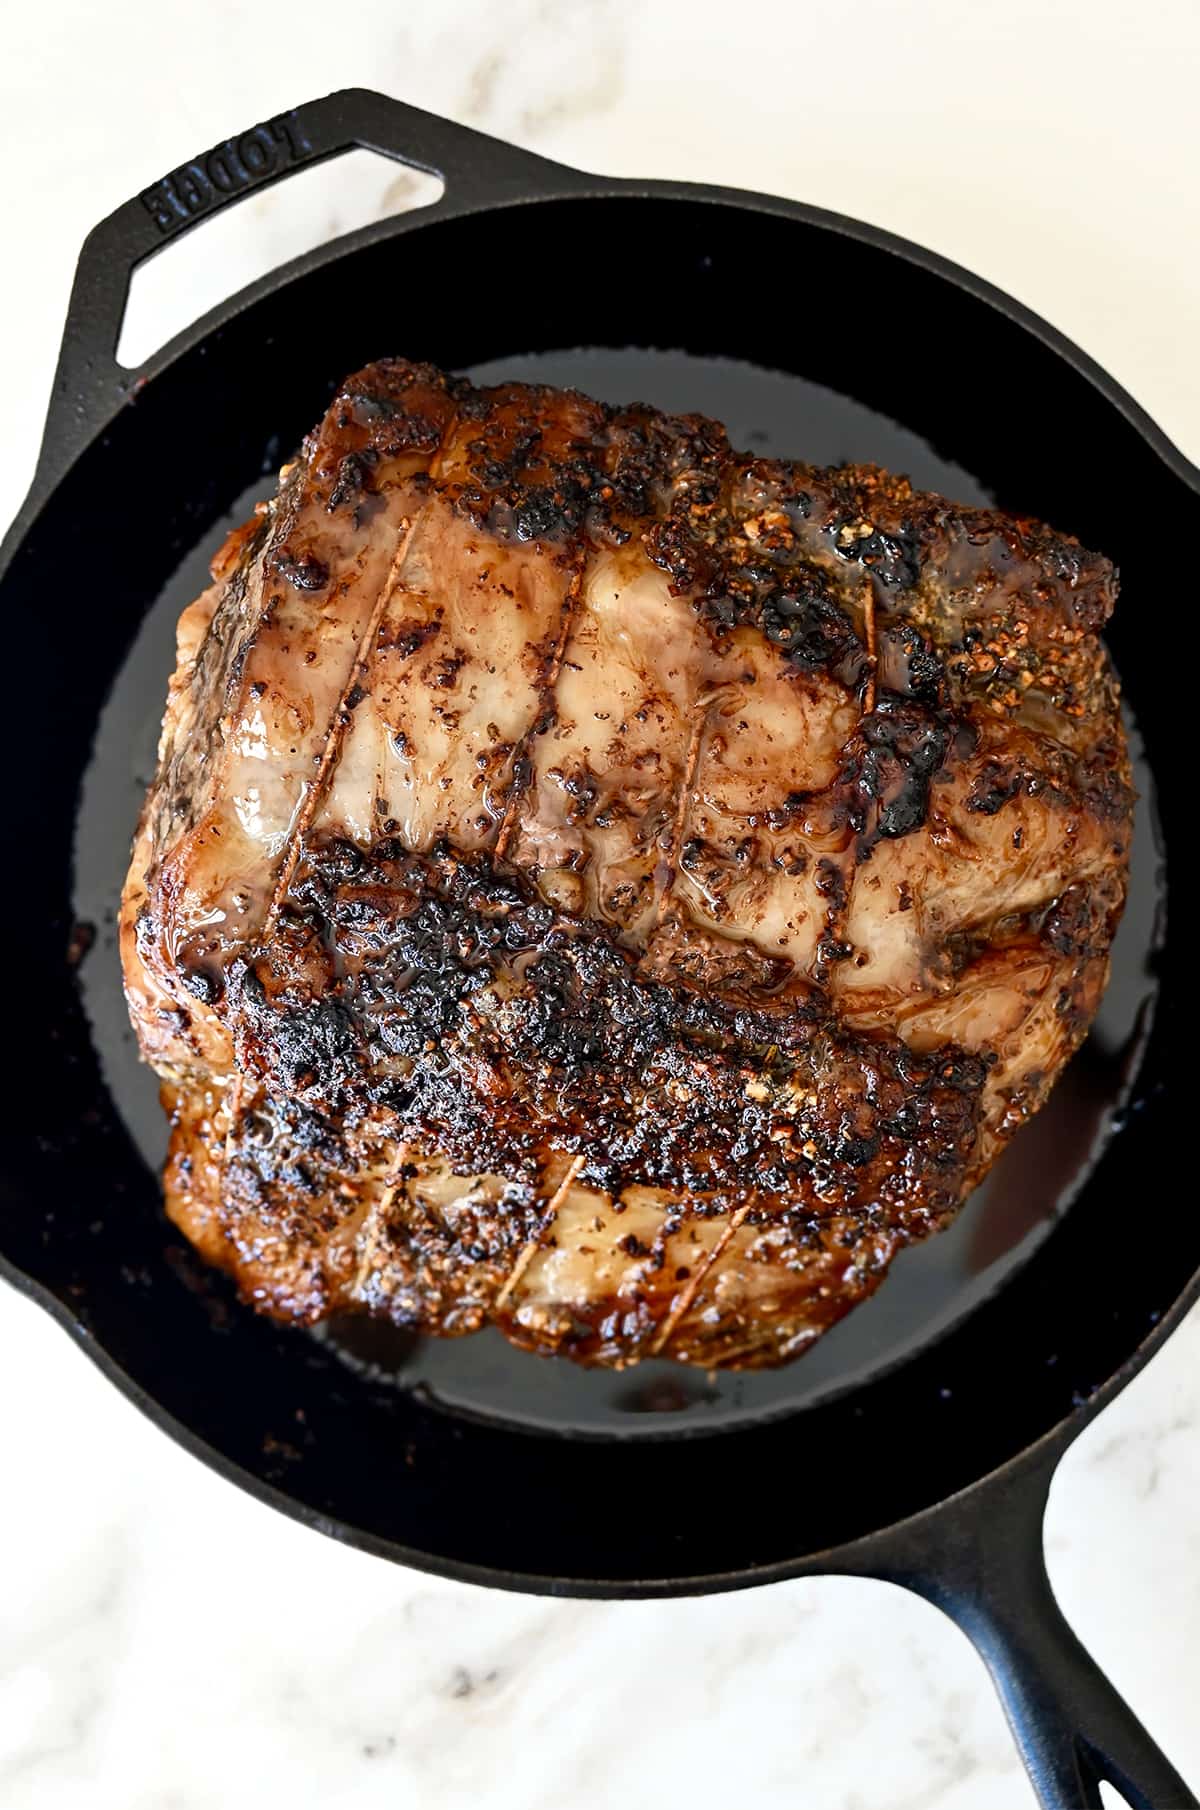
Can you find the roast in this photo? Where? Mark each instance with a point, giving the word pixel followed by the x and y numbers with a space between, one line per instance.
pixel 609 886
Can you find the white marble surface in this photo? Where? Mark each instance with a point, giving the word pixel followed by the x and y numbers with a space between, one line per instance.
pixel 166 1643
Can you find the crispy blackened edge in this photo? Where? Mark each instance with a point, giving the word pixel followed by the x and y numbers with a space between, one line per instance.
pixel 442 997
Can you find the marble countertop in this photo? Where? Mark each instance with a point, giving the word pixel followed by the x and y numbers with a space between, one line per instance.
pixel 165 1642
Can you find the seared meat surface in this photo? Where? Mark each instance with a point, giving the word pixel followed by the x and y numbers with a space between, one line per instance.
pixel 603 884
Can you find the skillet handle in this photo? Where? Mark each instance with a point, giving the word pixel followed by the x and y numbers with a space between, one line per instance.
pixel 981 1560
pixel 89 385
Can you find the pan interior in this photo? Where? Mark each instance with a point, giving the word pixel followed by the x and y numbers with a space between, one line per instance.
pixel 931 1287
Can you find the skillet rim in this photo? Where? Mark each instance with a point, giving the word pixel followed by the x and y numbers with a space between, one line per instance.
pixel 559 184
pixel 1042 1456
pixel 562 183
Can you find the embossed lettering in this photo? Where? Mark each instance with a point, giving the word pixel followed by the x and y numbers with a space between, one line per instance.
pixel 286 127
pixel 192 187
pixel 236 164
pixel 160 206
pixel 221 171
pixel 256 151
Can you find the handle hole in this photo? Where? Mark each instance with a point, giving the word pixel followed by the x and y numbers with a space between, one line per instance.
pixel 1113 1799
pixel 257 234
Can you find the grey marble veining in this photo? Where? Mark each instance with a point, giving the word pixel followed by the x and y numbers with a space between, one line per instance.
pixel 167 1643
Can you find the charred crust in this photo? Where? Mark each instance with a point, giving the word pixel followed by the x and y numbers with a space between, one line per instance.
pixel 350 480
pixel 303 570
pixel 409 635
pixel 883 784
pixel 892 558
pixel 203 984
pixel 442 997
pixel 1096 781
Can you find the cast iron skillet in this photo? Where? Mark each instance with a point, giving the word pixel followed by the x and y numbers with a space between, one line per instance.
pixel 928 1463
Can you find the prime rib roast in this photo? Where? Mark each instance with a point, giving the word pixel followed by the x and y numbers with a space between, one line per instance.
pixel 609 886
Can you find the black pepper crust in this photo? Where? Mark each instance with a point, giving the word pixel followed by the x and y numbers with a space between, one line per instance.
pixel 441 999
pixel 1013 606
pixel 266 1186
pixel 983 604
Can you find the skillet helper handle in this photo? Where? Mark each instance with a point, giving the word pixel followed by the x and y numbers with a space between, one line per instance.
pixel 89 383
pixel 981 1559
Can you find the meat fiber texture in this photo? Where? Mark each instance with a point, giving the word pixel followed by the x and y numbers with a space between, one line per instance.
pixel 608 886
